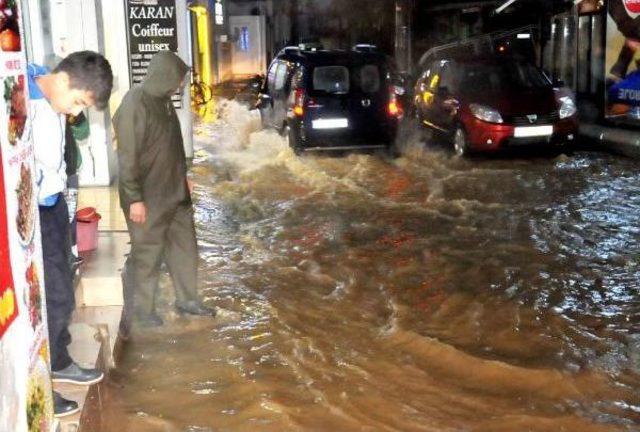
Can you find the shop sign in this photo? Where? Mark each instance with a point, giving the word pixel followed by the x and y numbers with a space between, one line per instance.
pixel 151 27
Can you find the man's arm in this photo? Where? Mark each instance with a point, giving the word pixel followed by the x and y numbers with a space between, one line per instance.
pixel 48 146
pixel 129 124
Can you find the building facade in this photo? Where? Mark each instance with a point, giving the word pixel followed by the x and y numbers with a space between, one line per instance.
pixel 121 31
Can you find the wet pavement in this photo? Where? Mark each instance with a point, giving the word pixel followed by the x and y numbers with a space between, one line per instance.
pixel 422 293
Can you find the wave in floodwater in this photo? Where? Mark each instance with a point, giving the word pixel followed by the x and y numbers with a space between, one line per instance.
pixel 417 293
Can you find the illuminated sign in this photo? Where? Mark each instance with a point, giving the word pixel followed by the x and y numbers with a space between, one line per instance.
pixel 632 7
pixel 151 27
pixel 219 12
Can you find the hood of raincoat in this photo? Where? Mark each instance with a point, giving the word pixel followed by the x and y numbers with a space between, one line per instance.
pixel 164 75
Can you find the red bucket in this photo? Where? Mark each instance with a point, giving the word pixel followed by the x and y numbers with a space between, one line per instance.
pixel 87 229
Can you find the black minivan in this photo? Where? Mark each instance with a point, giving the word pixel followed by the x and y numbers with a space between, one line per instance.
pixel 331 100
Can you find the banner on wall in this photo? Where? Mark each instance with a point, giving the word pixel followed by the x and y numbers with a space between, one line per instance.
pixel 151 27
pixel 25 384
pixel 8 303
pixel 622 59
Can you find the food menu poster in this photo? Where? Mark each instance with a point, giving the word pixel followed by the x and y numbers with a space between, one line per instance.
pixel 8 304
pixel 25 383
pixel 622 57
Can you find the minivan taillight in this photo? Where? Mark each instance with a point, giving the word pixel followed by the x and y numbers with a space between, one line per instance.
pixel 393 108
pixel 298 104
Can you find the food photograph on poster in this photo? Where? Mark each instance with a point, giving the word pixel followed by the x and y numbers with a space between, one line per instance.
pixel 38 388
pixel 34 296
pixel 622 62
pixel 14 96
pixel 9 26
pixel 25 219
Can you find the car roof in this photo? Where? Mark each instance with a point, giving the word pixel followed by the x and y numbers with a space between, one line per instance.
pixel 322 57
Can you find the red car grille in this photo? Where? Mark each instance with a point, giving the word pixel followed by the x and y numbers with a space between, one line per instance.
pixel 525 120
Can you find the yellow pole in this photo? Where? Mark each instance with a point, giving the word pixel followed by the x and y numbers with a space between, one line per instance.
pixel 202 25
pixel 204 51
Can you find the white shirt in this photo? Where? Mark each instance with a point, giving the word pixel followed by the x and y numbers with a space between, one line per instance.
pixel 47 128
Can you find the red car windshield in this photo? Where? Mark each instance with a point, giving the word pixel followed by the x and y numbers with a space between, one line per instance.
pixel 500 77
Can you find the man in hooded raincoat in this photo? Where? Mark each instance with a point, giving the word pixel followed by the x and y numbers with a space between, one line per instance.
pixel 155 195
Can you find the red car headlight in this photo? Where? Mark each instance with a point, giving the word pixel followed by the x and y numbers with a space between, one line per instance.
pixel 485 113
pixel 567 107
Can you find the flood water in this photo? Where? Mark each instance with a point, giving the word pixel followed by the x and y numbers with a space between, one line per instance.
pixel 422 293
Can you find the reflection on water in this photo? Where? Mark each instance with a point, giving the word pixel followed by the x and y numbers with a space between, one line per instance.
pixel 423 293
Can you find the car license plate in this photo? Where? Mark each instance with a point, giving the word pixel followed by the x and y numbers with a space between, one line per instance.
pixel 532 131
pixel 336 123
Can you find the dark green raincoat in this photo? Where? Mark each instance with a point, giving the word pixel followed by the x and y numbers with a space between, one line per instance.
pixel 150 149
pixel 152 170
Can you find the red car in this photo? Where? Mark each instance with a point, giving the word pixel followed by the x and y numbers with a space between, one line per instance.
pixel 485 105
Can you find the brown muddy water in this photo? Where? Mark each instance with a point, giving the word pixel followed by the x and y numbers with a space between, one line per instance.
pixel 422 293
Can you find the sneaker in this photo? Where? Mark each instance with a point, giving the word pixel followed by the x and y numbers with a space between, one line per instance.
pixel 64 407
pixel 74 374
pixel 195 308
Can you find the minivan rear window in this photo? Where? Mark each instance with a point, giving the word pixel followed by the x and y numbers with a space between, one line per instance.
pixel 368 78
pixel 331 79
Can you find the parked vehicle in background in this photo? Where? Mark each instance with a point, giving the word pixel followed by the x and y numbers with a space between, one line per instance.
pixel 488 104
pixel 331 100
pixel 242 89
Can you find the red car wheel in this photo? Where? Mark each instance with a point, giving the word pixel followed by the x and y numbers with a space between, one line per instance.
pixel 460 143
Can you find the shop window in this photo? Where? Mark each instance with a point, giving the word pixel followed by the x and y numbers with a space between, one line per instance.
pixel 597 53
pixel 564 48
pixel 584 48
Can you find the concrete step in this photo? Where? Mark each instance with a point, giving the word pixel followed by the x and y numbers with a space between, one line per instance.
pixel 100 283
pixel 96 320
pixel 106 320
pixel 85 349
pixel 94 335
